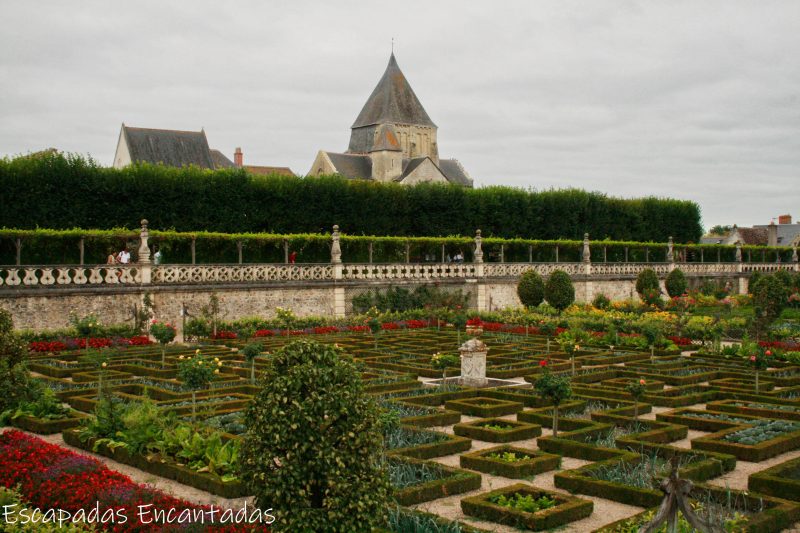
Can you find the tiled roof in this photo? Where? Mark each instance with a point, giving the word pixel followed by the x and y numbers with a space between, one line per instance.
pixel 268 171
pixel 351 166
pixel 220 160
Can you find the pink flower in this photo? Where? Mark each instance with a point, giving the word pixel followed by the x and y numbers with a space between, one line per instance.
pixel 642 382
pixel 768 353
pixel 753 358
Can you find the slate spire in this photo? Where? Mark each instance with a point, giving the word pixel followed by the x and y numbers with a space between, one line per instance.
pixel 393 102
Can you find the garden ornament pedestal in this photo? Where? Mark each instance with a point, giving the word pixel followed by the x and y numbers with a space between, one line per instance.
pixel 473 363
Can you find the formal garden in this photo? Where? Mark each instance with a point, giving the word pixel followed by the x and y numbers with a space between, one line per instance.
pixel 591 414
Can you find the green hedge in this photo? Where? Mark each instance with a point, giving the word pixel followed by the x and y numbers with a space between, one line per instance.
pixel 536 463
pixel 477 430
pixel 780 480
pixel 568 509
pixel 68 191
pixel 453 481
pixel 484 407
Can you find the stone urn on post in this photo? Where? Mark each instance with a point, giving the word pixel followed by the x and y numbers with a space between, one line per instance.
pixel 473 363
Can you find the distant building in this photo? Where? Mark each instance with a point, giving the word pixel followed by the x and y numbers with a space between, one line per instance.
pixel 392 140
pixel 784 233
pixel 176 148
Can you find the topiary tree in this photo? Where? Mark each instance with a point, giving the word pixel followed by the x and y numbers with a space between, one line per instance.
pixel 459 322
pixel 441 361
pixel 313 451
pixel 558 291
pixel 554 388
pixel 676 283
pixel 770 297
pixel 647 286
pixel 164 333
pixel 250 352
pixel 196 373
pixel 530 289
pixel 636 388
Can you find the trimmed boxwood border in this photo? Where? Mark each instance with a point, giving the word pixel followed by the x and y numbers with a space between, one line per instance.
pixel 579 481
pixel 457 481
pixel 773 483
pixel 726 406
pixel 452 445
pixel 203 481
pixel 475 430
pixel 746 452
pixel 493 407
pixel 777 515
pixel 569 509
pixel 537 463
pixel 47 427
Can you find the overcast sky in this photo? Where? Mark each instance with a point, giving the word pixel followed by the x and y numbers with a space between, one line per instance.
pixel 689 99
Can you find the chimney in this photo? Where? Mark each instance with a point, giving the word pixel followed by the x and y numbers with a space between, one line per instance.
pixel 772 234
pixel 238 158
pixel 785 219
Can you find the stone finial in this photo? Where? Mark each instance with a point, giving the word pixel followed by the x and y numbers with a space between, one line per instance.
pixel 478 255
pixel 794 253
pixel 670 251
pixel 144 248
pixel 587 252
pixel 738 251
pixel 336 249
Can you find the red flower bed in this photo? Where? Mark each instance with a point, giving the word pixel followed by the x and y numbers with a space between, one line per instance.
pixel 223 334
pixel 358 328
pixel 97 342
pixel 681 341
pixel 324 330
pixel 416 324
pixel 780 345
pixel 43 346
pixel 140 340
pixel 52 477
pixel 264 333
pixel 389 325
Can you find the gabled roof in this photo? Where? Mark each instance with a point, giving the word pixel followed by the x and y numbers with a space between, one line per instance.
pixel 393 101
pixel 220 160
pixel 351 166
pixel 753 236
pixel 169 147
pixel 269 171
pixel 386 139
pixel 454 172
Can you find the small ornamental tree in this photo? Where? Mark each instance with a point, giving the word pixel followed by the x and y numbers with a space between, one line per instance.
pixel 554 388
pixel 313 450
pixel 250 352
pixel 285 318
pixel 647 279
pixel 530 288
pixel 459 322
pixel 569 343
pixel 770 297
pixel 196 373
pixel 86 327
pixel 559 291
pixel 636 388
pixel 164 333
pixel 245 331
pixel 675 283
pixel 373 323
pixel 757 359
pixel 443 361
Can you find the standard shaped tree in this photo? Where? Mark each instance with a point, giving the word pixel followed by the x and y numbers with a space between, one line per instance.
pixel 559 291
pixel 250 352
pixel 313 450
pixel 676 283
pixel 554 388
pixel 647 286
pixel 196 373
pixel 164 333
pixel 530 289
pixel 770 297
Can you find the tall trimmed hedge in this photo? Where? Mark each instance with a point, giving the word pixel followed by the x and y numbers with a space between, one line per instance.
pixel 56 191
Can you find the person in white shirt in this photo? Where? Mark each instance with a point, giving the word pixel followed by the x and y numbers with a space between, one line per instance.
pixel 124 257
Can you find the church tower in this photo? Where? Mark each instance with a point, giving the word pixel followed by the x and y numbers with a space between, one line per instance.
pixel 394 103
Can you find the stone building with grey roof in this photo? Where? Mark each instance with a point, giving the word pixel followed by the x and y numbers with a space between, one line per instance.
pixel 392 140
pixel 176 148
